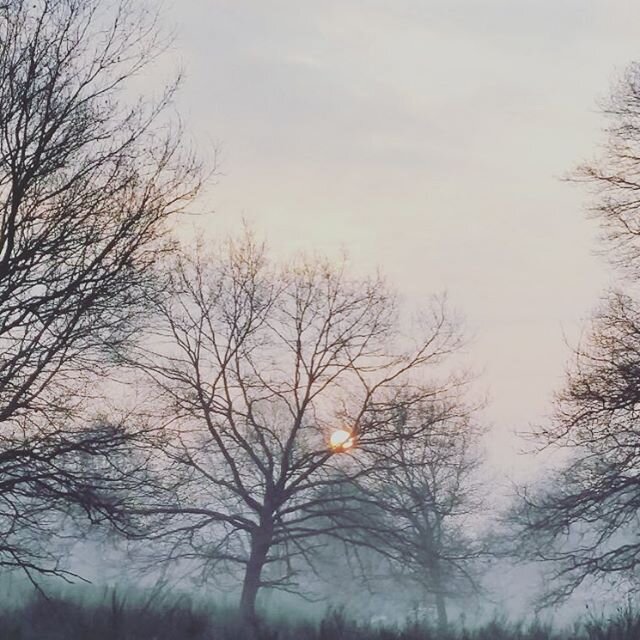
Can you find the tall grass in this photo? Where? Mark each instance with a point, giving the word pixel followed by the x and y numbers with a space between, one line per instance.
pixel 120 616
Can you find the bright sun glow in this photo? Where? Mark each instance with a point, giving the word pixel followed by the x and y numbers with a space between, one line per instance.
pixel 341 440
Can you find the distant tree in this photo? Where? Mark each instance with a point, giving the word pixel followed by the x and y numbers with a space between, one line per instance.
pixel 422 497
pixel 582 520
pixel 87 185
pixel 255 368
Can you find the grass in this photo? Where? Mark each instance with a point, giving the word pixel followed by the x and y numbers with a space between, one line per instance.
pixel 120 617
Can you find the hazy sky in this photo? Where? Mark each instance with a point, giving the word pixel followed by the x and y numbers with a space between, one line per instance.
pixel 428 139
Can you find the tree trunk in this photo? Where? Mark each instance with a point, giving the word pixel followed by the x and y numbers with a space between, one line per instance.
pixel 433 533
pixel 441 604
pixel 260 543
pixel 441 610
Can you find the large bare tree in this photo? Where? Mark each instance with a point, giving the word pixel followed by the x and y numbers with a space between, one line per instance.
pixel 88 182
pixel 272 382
pixel 582 520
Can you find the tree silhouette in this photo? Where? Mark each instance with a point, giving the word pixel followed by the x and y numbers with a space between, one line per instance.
pixel 254 367
pixel 582 519
pixel 87 185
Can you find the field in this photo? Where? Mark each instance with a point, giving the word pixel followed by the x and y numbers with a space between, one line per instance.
pixel 117 617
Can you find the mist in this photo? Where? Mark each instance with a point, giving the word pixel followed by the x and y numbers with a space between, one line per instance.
pixel 319 321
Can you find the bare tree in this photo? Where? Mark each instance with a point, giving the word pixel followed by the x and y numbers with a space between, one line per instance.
pixel 582 520
pixel 87 185
pixel 256 368
pixel 423 507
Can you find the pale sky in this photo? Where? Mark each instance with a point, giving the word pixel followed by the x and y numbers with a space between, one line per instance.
pixel 428 139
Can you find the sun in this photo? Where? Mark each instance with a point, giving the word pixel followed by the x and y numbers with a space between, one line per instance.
pixel 341 440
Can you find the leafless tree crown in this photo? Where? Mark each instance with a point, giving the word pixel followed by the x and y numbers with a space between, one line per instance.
pixel 87 186
pixel 255 365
